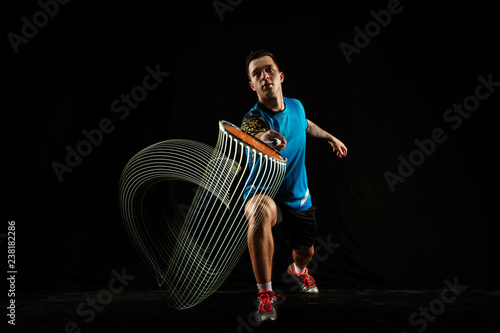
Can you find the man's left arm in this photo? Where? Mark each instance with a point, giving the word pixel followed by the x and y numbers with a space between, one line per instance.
pixel 315 131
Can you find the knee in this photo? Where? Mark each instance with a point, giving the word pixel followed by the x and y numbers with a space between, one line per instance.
pixel 261 211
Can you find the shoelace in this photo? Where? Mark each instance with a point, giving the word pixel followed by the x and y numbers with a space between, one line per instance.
pixel 266 301
pixel 307 279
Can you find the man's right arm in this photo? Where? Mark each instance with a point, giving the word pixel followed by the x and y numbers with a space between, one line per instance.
pixel 254 124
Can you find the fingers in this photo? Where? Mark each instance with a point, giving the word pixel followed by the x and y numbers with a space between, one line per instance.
pixel 340 150
pixel 272 135
pixel 282 145
pixel 276 135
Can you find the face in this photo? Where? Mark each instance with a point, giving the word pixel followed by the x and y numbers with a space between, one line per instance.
pixel 265 79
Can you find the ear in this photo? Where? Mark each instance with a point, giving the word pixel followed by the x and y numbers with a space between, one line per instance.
pixel 282 77
pixel 251 85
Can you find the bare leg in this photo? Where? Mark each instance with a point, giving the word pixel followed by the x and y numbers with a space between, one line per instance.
pixel 305 282
pixel 302 257
pixel 261 214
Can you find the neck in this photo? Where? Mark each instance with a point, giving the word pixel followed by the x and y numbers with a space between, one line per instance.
pixel 275 103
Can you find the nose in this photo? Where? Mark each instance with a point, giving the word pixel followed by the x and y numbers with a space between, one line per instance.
pixel 264 75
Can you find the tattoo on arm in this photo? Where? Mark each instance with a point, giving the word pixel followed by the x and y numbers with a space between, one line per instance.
pixel 316 132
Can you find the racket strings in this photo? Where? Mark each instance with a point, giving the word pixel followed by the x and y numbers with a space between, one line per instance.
pixel 191 256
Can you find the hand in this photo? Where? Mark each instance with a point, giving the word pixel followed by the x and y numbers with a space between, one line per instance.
pixel 338 147
pixel 269 135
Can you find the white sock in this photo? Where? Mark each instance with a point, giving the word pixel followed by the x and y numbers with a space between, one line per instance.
pixel 265 286
pixel 298 270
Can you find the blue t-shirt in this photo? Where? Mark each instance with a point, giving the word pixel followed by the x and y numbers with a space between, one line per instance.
pixel 292 124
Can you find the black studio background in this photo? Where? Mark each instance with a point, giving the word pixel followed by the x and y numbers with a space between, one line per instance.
pixel 440 223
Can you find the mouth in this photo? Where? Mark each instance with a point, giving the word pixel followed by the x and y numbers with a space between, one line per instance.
pixel 267 85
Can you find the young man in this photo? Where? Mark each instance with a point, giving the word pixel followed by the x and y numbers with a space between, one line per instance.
pixel 278 117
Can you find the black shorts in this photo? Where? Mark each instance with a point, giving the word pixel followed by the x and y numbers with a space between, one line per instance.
pixel 299 227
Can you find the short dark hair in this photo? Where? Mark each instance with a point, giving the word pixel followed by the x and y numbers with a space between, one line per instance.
pixel 259 54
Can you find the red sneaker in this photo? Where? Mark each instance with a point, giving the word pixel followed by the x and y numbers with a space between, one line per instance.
pixel 267 305
pixel 305 281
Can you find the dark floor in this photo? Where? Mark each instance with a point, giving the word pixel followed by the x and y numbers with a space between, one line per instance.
pixel 336 310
